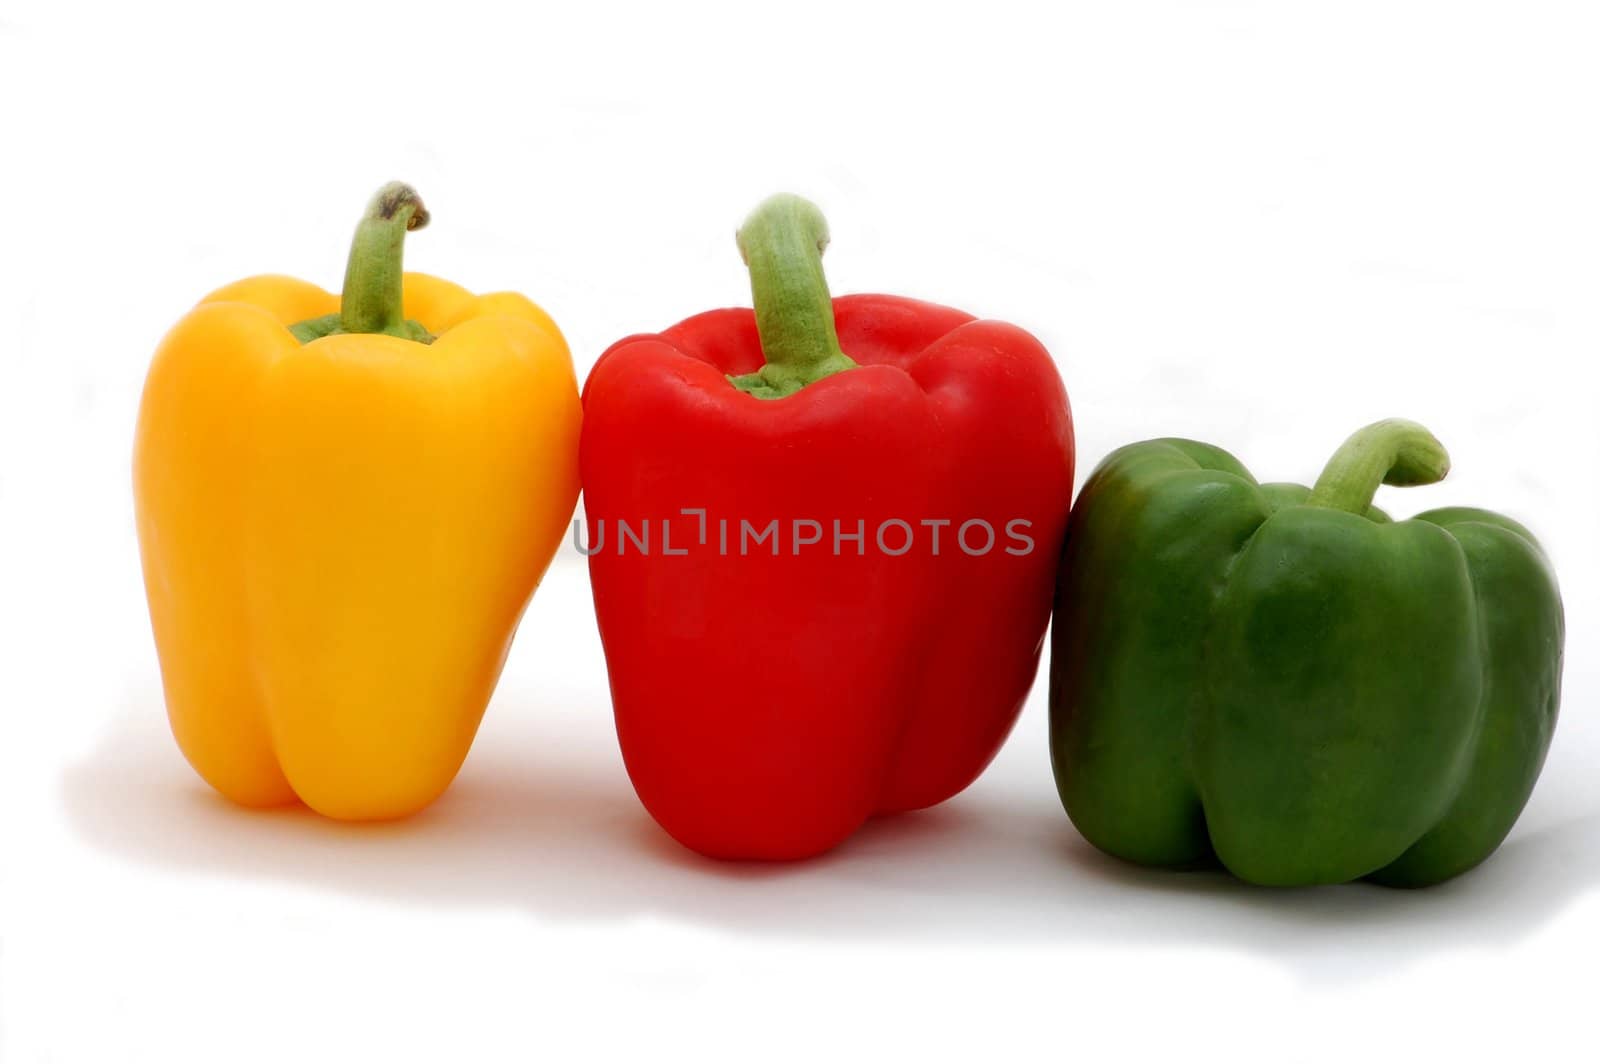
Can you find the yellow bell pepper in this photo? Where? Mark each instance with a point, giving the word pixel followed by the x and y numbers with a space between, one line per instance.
pixel 343 509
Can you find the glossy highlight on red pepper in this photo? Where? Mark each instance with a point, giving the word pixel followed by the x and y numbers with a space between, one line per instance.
pixel 823 537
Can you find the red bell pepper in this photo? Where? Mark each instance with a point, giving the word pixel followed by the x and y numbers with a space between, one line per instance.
pixel 822 579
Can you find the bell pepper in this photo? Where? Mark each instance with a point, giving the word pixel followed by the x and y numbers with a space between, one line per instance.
pixel 344 505
pixel 822 537
pixel 1287 680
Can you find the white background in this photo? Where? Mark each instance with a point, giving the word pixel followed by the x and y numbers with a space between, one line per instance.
pixel 1259 224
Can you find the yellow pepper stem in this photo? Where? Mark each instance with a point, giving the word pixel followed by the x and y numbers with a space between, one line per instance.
pixel 372 297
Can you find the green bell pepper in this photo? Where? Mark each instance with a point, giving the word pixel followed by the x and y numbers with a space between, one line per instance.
pixel 1288 681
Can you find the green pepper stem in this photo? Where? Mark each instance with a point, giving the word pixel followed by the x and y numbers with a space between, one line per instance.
pixel 372 298
pixel 782 243
pixel 1395 451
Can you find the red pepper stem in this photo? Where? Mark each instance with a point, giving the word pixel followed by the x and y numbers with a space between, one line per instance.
pixel 372 297
pixel 782 244
pixel 1397 452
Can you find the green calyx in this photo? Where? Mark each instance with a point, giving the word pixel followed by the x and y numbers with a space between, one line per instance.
pixel 1394 451
pixel 371 300
pixel 782 243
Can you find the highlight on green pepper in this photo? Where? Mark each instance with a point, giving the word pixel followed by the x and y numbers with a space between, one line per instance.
pixel 1285 680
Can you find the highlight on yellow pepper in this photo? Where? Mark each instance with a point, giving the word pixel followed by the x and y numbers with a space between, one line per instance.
pixel 344 506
